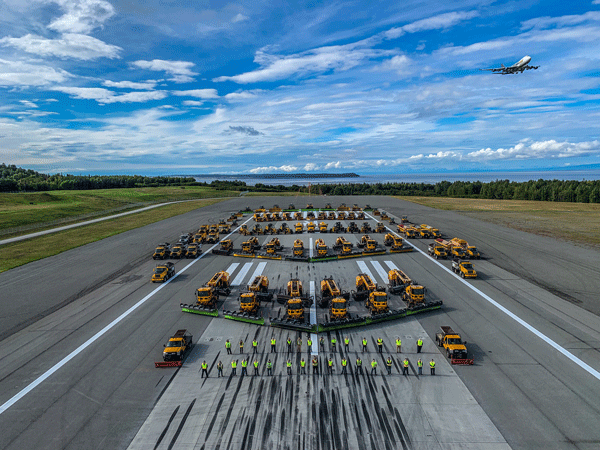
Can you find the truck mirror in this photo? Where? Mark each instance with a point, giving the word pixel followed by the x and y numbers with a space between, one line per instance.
pixel 465 343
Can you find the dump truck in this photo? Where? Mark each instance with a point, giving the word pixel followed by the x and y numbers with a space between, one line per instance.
pixel 353 228
pixel 366 228
pixel 435 233
pixel 310 227
pixel 380 228
pixel 186 238
pixel 322 227
pixel 299 228
pixel 330 290
pixel 193 251
pixel 408 231
pixel 162 251
pixel 225 248
pixel 343 246
pixel 178 250
pixel 199 238
pixel 298 249
pixel 321 248
pixel 273 246
pixel 364 286
pixel 437 251
pixel 176 347
pixel 377 302
pixel 163 272
pixel 212 237
pixel 463 268
pixel 456 349
pixel 422 232
pixel 452 248
pixel 471 251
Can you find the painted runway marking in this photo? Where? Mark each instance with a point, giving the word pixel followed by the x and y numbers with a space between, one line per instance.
pixel 391 265
pixel 364 268
pixel 100 333
pixel 585 366
pixel 310 248
pixel 231 268
pixel 242 273
pixel 259 270
pixel 381 271
pixel 313 318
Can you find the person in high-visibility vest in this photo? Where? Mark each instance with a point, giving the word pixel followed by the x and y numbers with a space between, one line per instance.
pixel 204 369
pixel 315 364
pixel 419 345
pixel 333 343
pixel 303 366
pixel 388 363
pixel 228 346
pixel 398 345
pixel 289 366
pixel 219 369
pixel 273 342
pixel 330 366
pixel 322 343
pixel 380 345
pixel 254 346
pixel 346 343
pixel 344 364
pixel 233 367
pixel 432 367
pixel 244 367
pixel 358 365
pixel 405 365
pixel 364 343
pixel 241 346
pixel 309 345
pixel 269 367
pixel 299 344
pixel 255 363
pixel 289 343
pixel 420 366
pixel 373 367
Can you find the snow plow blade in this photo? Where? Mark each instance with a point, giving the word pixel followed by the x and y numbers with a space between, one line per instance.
pixel 402 250
pixel 218 251
pixel 244 317
pixel 160 364
pixel 323 258
pixel 293 324
pixel 390 315
pixel 244 255
pixel 341 324
pixel 462 362
pixel 374 253
pixel 423 308
pixel 265 256
pixel 195 309
pixel 297 258
pixel 354 254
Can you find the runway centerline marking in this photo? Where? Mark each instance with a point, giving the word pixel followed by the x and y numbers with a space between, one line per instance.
pixel 242 273
pixel 39 380
pixel 585 366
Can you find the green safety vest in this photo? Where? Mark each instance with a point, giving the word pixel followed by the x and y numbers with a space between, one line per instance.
pixel 244 363
pixel 420 363
pixel 269 364
pixel 374 364
pixel 273 341
pixel 233 364
pixel 432 364
pixel 346 341
pixel 227 344
pixel 241 344
pixel 420 343
pixel 254 344
pixel 389 362
pixel 302 363
pixel 334 341
pixel 405 362
pixel 309 342
pixel 329 362
pixel 364 342
pixel 289 342
pixel 358 362
pixel 398 342
pixel 289 364
pixel 255 364
pixel 379 341
pixel 204 366
pixel 344 362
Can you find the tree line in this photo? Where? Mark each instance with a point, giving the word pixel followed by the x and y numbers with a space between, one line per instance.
pixel 16 179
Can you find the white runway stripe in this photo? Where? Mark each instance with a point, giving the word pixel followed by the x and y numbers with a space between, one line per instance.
pixel 259 270
pixel 380 271
pixel 313 318
pixel 232 268
pixel 310 248
pixel 364 269
pixel 391 265
pixel 240 276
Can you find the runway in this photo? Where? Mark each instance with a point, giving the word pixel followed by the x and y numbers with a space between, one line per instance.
pixel 532 395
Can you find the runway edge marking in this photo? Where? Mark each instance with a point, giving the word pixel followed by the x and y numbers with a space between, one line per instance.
pixel 23 392
pixel 585 366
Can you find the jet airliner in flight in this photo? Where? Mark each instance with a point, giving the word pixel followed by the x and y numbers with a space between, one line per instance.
pixel 517 67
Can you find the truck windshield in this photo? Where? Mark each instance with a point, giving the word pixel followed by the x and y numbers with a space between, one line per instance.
pixel 173 343
pixel 454 341
pixel 247 300
pixel 203 293
pixel 295 306
pixel 160 270
pixel 468 266
pixel 473 249
pixel 419 291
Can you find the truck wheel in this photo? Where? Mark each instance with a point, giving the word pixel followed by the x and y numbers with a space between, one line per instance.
pixel 448 354
pixel 462 274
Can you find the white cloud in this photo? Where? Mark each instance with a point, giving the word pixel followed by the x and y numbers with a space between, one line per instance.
pixel 561 21
pixel 180 70
pixel 596 2
pixel 69 45
pixel 105 96
pixel 192 103
pixel 28 104
pixel 146 85
pixel 323 59
pixel 284 168
pixel 311 167
pixel 333 165
pixel 239 18
pixel 81 16
pixel 440 21
pixel 527 149
pixel 198 93
pixel 398 63
pixel 19 73
pixel 243 95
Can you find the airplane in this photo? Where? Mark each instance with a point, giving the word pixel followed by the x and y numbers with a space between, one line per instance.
pixel 517 67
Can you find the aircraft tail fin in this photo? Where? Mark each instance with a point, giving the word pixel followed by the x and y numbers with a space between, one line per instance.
pixel 502 65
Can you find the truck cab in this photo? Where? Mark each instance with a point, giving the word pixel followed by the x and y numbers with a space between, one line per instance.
pixel 177 345
pixel 299 228
pixel 338 308
pixel 437 251
pixel 178 250
pixel 310 228
pixel 163 272
pixel 193 251
pixel 464 269
pixel 452 342
pixel 162 251
pixel 377 302
pixel 295 309
pixel 472 252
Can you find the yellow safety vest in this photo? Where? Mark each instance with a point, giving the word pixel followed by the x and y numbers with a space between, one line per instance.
pixel 329 362
pixel 227 344
pixel 374 364
pixel 389 362
pixel 244 363
pixel 272 341
pixel 233 364
pixel 398 342
pixel 204 365
pixel 432 364
pixel 346 341
pixel 255 363
pixel 302 363
pixel 420 363
pixel 344 362
pixel 289 364
pixel 420 343
pixel 254 343
pixel 405 362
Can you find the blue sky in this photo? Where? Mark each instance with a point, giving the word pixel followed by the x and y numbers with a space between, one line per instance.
pixel 162 87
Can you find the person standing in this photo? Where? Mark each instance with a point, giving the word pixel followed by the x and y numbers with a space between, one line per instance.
pixel 346 343
pixel 398 345
pixel 233 367
pixel 405 365
pixel 315 364
pixel 244 367
pixel 303 366
pixel 269 367
pixel 330 366
pixel 420 366
pixel 344 364
pixel 255 363
pixel 322 343
pixel 373 367
pixel 333 343
pixel 309 345
pixel 219 369
pixel 241 347
pixel 419 345
pixel 388 363
pixel 432 367
pixel 299 344
pixel 204 369
pixel 380 345
pixel 228 346
pixel 364 343
pixel 289 344
pixel 289 366
pixel 254 347
pixel 358 365
pixel 273 343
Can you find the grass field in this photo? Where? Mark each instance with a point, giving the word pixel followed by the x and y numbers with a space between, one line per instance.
pixel 575 222
pixel 19 253
pixel 40 208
